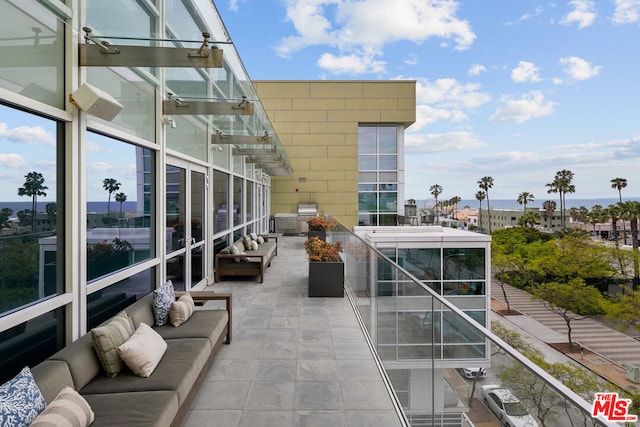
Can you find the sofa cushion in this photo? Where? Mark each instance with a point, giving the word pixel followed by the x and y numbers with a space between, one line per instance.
pixel 181 310
pixel 207 324
pixel 68 409
pixel 162 299
pixel 20 400
pixel 82 360
pixel 139 409
pixel 141 311
pixel 178 371
pixel 108 337
pixel 246 240
pixel 143 351
pixel 51 375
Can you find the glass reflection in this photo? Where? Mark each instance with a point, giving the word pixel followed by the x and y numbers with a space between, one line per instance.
pixel 119 205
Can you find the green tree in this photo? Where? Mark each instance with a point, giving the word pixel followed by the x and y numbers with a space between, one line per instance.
pixel 595 216
pixel 5 214
pixel 436 190
pixel 111 185
pixel 480 196
pixel 485 183
pixel 573 300
pixel 619 184
pixel 52 210
pixel 454 205
pixel 121 198
pixel 549 207
pixel 33 187
pixel 631 212
pixel 562 185
pixel 529 219
pixel 525 198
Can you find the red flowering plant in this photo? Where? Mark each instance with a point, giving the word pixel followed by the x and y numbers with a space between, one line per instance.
pixel 321 251
pixel 318 223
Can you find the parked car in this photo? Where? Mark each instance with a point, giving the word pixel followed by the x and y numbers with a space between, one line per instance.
pixel 507 407
pixel 473 372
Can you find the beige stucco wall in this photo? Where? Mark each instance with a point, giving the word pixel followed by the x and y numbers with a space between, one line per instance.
pixel 317 123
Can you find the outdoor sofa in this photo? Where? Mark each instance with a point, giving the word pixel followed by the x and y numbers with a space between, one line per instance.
pixel 245 258
pixel 161 399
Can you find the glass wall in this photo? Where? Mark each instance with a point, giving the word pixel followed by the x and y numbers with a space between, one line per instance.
pixel 378 175
pixel 119 186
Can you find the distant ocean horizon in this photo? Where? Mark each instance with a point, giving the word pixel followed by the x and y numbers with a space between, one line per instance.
pixel 127 206
pixel 512 204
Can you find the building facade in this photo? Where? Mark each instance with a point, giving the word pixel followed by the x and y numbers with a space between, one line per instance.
pixel 345 140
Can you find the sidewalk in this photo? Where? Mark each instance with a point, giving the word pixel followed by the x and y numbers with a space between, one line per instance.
pixel 606 351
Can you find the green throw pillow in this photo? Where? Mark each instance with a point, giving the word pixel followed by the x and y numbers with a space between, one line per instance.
pixel 107 338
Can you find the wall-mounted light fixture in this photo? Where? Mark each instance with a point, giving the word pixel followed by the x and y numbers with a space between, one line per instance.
pixel 168 121
pixel 96 102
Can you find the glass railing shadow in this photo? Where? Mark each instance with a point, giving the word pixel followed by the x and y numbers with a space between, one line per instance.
pixel 449 363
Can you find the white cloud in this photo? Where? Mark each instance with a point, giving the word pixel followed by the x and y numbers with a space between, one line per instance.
pixel 529 106
pixel 14 161
pixel 525 72
pixel 445 99
pixel 233 5
pixel 476 69
pixel 626 11
pixel 99 166
pixel 579 69
pixel 583 13
pixel 27 135
pixel 350 64
pixel 434 143
pixel 368 25
pixel 411 59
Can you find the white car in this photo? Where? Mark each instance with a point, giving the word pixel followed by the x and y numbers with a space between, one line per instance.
pixel 473 372
pixel 507 407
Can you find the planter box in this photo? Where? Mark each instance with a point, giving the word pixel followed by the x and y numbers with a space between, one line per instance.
pixel 326 279
pixel 320 234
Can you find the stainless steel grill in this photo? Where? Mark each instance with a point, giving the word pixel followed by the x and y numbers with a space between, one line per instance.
pixel 305 211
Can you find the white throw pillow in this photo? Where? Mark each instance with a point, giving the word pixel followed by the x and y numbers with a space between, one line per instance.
pixel 254 245
pixel 260 240
pixel 181 310
pixel 143 351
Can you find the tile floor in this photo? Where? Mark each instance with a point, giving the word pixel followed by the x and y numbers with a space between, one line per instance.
pixel 294 360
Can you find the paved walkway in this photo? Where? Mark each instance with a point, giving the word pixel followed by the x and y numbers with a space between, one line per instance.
pixel 606 351
pixel 293 360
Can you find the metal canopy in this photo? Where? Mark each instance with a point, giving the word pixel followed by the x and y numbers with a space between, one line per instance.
pixel 144 56
pixel 174 107
pixel 220 139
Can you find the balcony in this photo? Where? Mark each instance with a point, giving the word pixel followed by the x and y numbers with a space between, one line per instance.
pixel 378 357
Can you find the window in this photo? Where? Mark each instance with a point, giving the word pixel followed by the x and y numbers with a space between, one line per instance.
pixel 120 194
pixel 378 175
pixel 31 217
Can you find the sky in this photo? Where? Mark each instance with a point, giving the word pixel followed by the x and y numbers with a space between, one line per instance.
pixel 512 89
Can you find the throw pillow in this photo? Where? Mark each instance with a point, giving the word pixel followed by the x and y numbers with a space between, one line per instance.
pixel 226 250
pixel 253 236
pixel 246 241
pixel 260 240
pixel 143 351
pixel 68 409
pixel 181 310
pixel 20 400
pixel 236 251
pixel 108 337
pixel 254 245
pixel 162 299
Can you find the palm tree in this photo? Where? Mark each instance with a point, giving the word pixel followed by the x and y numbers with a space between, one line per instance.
pixel 561 184
pixel 33 187
pixel 631 212
pixel 485 183
pixel 619 184
pixel 549 207
pixel 436 190
pixel 111 185
pixel 454 204
pixel 595 215
pixel 613 213
pixel 524 198
pixel 480 196
pixel 120 198
pixel 529 219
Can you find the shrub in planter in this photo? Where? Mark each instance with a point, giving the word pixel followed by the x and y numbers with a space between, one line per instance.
pixel 326 269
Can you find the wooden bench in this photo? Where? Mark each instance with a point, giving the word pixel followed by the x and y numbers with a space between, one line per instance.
pixel 252 263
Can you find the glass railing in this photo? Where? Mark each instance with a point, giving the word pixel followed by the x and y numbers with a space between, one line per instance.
pixel 443 363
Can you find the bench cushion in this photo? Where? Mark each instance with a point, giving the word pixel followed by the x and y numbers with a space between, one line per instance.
pixel 178 370
pixel 200 325
pixel 151 408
